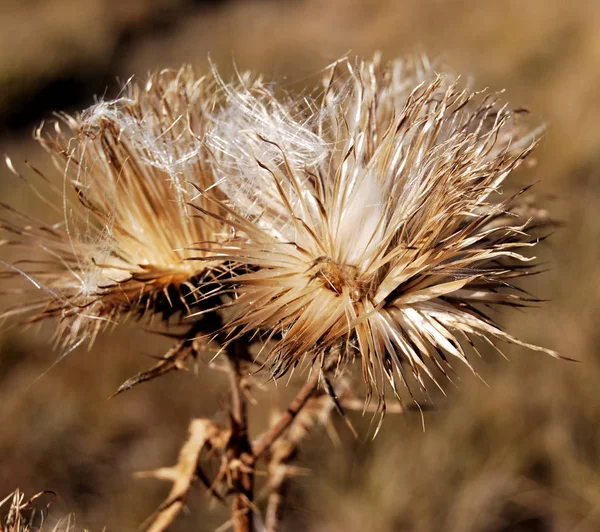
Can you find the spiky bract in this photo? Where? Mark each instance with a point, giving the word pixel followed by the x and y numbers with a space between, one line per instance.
pixel 373 222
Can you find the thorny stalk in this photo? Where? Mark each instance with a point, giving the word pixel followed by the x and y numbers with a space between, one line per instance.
pixel 287 418
pixel 238 456
pixel 203 433
pixel 284 450
pixel 278 446
pixel 239 448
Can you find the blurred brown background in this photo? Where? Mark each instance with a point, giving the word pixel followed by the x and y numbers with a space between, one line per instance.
pixel 520 455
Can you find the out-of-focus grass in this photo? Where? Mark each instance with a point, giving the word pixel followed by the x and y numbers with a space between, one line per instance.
pixel 521 454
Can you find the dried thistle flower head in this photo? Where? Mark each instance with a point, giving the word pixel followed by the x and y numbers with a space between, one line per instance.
pixel 373 223
pixel 117 245
pixel 32 514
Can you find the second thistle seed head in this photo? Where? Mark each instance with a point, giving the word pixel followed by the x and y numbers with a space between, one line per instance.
pixel 116 241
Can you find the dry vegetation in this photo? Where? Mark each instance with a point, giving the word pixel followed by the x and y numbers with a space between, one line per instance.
pixel 521 454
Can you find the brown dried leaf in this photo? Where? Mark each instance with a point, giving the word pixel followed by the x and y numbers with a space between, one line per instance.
pixel 203 433
pixel 173 360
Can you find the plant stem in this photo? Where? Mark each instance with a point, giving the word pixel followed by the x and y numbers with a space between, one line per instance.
pixel 286 419
pixel 278 478
pixel 240 448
